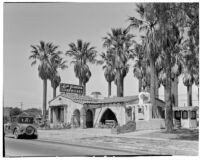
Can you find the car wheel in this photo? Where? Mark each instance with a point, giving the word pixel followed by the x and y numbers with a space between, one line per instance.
pixel 16 135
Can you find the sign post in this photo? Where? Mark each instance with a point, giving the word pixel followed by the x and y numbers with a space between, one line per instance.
pixel 71 88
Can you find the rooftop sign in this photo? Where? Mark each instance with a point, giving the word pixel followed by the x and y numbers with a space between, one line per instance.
pixel 71 88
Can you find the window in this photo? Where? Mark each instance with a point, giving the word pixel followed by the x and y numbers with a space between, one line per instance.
pixel 27 120
pixel 177 114
pixel 141 110
pixel 129 112
pixel 193 115
pixel 185 115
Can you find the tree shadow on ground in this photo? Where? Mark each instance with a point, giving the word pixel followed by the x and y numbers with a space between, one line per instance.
pixel 185 134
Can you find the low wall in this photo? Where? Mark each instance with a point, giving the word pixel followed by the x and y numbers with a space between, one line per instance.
pixel 151 124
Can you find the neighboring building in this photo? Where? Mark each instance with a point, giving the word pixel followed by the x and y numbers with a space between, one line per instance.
pixel 88 112
pixel 186 117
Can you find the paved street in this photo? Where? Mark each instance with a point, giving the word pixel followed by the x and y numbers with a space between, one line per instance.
pixel 94 141
pixel 27 147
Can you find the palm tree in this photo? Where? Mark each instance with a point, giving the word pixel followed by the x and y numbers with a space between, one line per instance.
pixel 170 40
pixel 190 54
pixel 55 81
pixel 82 54
pixel 42 53
pixel 141 68
pixel 119 42
pixel 148 24
pixel 57 63
pixel 109 72
pixel 190 69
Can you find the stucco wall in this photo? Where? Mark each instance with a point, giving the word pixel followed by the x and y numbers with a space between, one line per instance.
pixel 69 108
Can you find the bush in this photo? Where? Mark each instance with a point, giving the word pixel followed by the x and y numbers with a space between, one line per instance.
pixel 128 127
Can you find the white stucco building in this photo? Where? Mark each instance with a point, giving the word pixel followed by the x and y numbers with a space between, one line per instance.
pixel 88 112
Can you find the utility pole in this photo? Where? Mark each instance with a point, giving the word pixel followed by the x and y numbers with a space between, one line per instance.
pixel 21 104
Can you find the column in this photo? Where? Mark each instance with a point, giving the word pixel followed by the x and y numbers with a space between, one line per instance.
pixel 83 118
pixel 49 117
pixel 54 115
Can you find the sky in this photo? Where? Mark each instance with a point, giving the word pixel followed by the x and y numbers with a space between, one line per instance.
pixel 26 24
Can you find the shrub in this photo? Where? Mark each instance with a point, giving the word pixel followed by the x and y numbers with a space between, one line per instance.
pixel 128 127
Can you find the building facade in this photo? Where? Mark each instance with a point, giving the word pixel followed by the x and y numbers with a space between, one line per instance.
pixel 88 112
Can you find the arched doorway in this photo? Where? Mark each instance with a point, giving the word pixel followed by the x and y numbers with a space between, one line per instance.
pixel 89 119
pixel 108 115
pixel 76 118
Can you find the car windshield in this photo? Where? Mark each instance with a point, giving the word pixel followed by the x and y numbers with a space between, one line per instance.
pixel 28 120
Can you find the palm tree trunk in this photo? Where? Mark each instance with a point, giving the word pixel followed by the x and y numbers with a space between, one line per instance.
pixel 44 97
pixel 189 95
pixel 84 89
pixel 175 92
pixel 198 94
pixel 109 88
pixel 140 85
pixel 80 82
pixel 120 84
pixel 156 86
pixel 172 93
pixel 169 111
pixel 168 117
pixel 152 89
pixel 54 92
pixel 120 87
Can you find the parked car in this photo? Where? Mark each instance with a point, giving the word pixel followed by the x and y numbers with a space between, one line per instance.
pixel 21 126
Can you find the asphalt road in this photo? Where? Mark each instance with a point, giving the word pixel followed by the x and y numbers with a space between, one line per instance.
pixel 33 148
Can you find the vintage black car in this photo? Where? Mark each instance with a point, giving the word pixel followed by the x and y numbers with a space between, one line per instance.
pixel 21 126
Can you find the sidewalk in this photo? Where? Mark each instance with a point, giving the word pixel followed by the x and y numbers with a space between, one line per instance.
pixel 134 141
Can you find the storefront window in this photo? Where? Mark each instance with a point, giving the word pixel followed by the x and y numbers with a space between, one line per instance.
pixel 185 115
pixel 193 115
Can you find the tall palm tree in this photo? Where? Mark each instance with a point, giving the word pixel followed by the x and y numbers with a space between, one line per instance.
pixel 169 40
pixel 119 41
pixel 148 25
pixel 82 54
pixel 190 52
pixel 42 54
pixel 109 71
pixel 190 66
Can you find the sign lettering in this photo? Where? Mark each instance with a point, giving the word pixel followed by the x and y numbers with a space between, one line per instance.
pixel 71 88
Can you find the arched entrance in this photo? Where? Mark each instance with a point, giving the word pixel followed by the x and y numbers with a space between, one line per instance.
pixel 108 115
pixel 76 118
pixel 89 119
